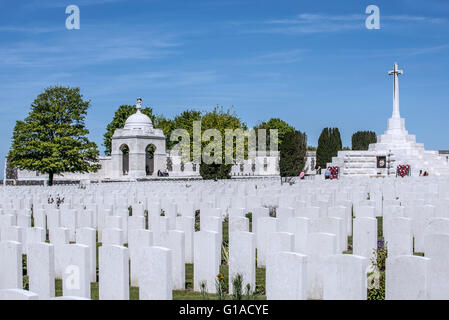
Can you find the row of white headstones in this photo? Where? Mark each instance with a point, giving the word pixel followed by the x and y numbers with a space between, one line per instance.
pixel 301 248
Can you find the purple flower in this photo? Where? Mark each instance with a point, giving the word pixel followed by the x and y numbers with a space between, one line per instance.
pixel 380 244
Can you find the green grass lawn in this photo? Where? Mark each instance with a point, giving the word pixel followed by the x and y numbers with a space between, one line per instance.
pixel 187 294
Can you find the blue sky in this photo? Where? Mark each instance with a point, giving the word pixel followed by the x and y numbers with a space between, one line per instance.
pixel 311 63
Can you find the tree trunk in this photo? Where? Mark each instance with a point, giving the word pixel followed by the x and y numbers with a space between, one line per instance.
pixel 50 179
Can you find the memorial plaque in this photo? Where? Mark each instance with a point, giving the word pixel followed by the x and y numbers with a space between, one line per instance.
pixel 381 162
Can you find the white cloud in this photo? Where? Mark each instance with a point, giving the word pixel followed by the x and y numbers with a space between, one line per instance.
pixel 30 29
pixel 289 56
pixel 309 23
pixel 75 48
pixel 35 4
pixel 397 52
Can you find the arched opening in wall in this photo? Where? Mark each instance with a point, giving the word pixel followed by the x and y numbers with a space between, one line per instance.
pixel 125 159
pixel 149 159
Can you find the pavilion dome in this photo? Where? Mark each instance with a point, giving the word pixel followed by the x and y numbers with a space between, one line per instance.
pixel 138 120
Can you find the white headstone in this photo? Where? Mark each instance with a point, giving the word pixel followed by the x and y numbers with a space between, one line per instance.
pixel 256 214
pixel 364 211
pixel 407 278
pixel 187 224
pixel 41 269
pixel 155 275
pixel 345 278
pixel 286 276
pixel 135 222
pixel 76 270
pixel 176 242
pixel 242 258
pixel 206 260
pixel 11 265
pixel 319 247
pixel 280 242
pixel 436 248
pixel 364 240
pixel 88 237
pixel 34 235
pixel 138 239
pixel 213 224
pixel 112 237
pixel 299 226
pixel 283 214
pixel 398 236
pixel 265 226
pixel 69 221
pixel 59 237
pixel 17 294
pixel 53 219
pixel 113 273
pixel 238 224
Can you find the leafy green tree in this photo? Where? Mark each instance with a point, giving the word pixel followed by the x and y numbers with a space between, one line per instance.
pixel 275 123
pixel 215 171
pixel 52 138
pixel 118 122
pixel 185 121
pixel 362 139
pixel 292 154
pixel 329 143
pixel 166 125
pixel 220 120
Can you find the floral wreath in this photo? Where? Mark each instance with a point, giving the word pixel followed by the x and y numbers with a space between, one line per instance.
pixel 403 170
pixel 334 172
